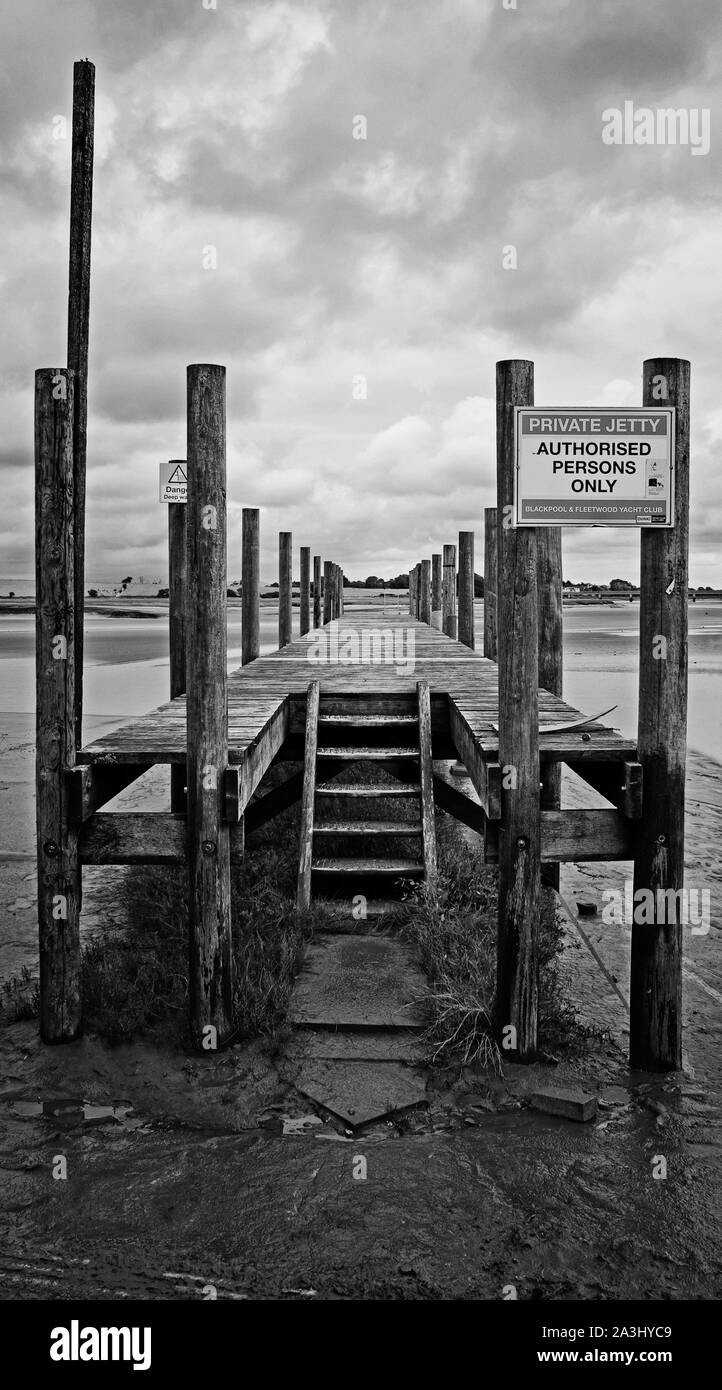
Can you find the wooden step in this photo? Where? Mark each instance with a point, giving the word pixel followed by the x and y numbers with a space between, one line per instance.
pixel 369 827
pixel 367 721
pixel 339 790
pixel 406 868
pixel 358 755
pixel 345 907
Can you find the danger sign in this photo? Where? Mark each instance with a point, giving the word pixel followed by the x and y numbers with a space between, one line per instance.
pixel 600 467
pixel 173 481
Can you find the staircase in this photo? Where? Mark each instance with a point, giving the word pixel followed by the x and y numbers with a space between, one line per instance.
pixel 364 839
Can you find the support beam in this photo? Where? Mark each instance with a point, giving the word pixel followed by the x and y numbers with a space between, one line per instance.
pixel 211 957
pixel 436 591
pixel 81 213
pixel 466 588
pixel 491 645
pixel 251 585
pixel 285 589
pixel 177 580
pixel 448 592
pixel 317 590
pixel 551 656
pixel 519 834
pixel 305 594
pixel 655 1027
pixel 144 837
pixel 57 839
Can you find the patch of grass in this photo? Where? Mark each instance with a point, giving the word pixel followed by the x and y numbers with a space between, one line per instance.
pixel 19 997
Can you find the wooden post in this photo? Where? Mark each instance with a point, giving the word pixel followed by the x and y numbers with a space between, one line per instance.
pixel 417 591
pixel 327 571
pixel 490 625
pixel 317 590
pixel 519 828
pixel 412 591
pixel 655 1025
pixel 425 597
pixel 466 588
pixel 81 210
pixel 305 595
pixel 340 590
pixel 177 579
pixel 448 592
pixel 436 591
pixel 250 584
pixel 211 956
pixel 551 658
pixel 285 589
pixel 59 874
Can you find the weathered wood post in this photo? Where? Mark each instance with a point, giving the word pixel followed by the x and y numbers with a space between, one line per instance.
pixel 81 213
pixel 551 658
pixel 177 579
pixel 412 591
pixel 490 624
pixel 519 828
pixel 211 957
pixel 59 874
pixel 340 589
pixel 448 592
pixel 285 588
pixel 417 591
pixel 425 596
pixel 317 590
pixel 436 591
pixel 466 588
pixel 655 1026
pixel 327 570
pixel 250 584
pixel 305 594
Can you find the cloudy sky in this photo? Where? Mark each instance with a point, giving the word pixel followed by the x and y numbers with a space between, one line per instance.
pixel 337 258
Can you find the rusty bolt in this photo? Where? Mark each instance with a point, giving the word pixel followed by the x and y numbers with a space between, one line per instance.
pixel 521 842
pixel 208 847
pixel 661 839
pixel 586 738
pixel 51 848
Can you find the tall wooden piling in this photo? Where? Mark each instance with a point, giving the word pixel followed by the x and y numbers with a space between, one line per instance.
pixel 436 581
pixel 81 211
pixel 177 579
pixel 551 658
pixel 211 959
pixel 425 596
pixel 250 585
pixel 412 591
pixel 327 596
pixel 317 590
pixel 466 588
pixel 305 594
pixel 58 864
pixel 519 828
pixel 491 647
pixel 655 1028
pixel 285 588
pixel 448 592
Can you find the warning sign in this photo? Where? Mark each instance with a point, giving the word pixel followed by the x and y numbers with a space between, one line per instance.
pixel 598 467
pixel 173 481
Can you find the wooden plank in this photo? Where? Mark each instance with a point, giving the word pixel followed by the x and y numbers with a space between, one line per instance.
pixel 490 614
pixel 351 828
pixel 211 955
pixel 57 840
pixel 81 216
pixel 633 790
pixel 89 788
pixel 448 592
pixel 143 837
pixel 578 837
pixel 551 660
pixel 485 775
pixel 519 836
pixel 177 580
pixel 317 590
pixel 425 598
pixel 305 857
pixel 305 594
pixel 466 588
pixel 426 781
pixel 285 589
pixel 250 584
pixel 655 1028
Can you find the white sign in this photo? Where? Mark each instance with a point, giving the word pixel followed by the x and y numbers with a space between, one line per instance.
pixel 173 481
pixel 594 467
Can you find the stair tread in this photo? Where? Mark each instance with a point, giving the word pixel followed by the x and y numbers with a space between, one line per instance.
pixel 339 790
pixel 368 827
pixel 365 754
pixel 361 866
pixel 368 721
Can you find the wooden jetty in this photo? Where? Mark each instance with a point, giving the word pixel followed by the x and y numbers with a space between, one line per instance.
pixel 396 692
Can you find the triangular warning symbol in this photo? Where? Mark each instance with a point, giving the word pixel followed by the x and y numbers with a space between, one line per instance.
pixel 178 476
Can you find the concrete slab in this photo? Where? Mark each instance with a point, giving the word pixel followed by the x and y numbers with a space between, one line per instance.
pixel 358 982
pixel 367 1045
pixel 358 1093
pixel 569 1104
